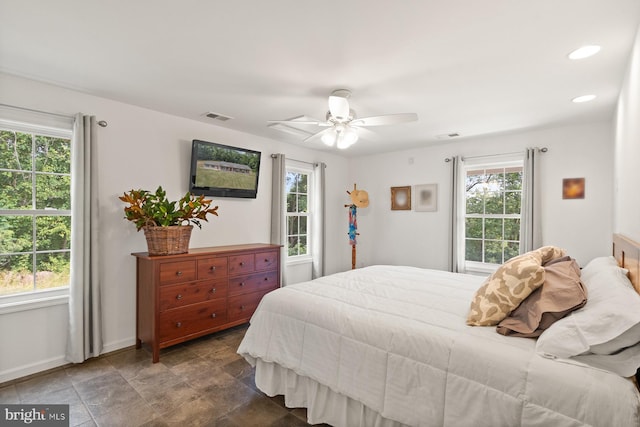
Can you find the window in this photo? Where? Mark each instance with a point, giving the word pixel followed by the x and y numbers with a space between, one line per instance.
pixel 35 208
pixel 493 201
pixel 298 215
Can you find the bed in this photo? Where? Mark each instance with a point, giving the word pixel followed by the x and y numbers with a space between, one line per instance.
pixel 390 346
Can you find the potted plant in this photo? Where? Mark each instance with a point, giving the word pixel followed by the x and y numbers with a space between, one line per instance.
pixel 167 224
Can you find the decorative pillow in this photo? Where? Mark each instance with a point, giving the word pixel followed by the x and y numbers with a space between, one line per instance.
pixel 561 293
pixel 509 285
pixel 607 325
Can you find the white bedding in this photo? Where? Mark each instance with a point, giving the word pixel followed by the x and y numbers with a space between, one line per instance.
pixel 395 339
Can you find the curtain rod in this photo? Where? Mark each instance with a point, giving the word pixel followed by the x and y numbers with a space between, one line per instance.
pixel 36 111
pixel 101 123
pixel 542 150
pixel 273 156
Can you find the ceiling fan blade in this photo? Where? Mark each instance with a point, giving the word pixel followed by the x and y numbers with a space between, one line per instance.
pixel 317 135
pixel 387 119
pixel 365 133
pixel 339 107
pixel 298 122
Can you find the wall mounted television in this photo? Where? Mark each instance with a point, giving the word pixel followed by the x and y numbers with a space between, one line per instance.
pixel 219 170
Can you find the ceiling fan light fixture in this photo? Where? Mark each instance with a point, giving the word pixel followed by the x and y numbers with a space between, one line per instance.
pixel 329 137
pixel 341 124
pixel 346 138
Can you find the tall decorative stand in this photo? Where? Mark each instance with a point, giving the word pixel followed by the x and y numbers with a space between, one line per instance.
pixel 359 199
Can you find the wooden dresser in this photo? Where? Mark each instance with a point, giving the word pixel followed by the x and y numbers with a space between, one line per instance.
pixel 185 296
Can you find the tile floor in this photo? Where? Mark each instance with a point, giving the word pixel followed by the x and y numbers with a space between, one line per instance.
pixel 200 383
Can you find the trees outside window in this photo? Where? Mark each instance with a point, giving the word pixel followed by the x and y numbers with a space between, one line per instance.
pixel 35 210
pixel 297 191
pixel 493 213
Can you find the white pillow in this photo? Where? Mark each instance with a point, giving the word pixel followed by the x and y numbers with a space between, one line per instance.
pixel 606 325
pixel 597 265
pixel 624 363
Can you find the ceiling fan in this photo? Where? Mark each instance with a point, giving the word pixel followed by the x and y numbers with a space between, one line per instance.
pixel 342 125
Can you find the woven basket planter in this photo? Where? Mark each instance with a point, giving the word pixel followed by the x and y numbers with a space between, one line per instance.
pixel 170 240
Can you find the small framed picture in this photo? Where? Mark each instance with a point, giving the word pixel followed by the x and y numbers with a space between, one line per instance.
pixel 426 198
pixel 401 198
pixel 573 188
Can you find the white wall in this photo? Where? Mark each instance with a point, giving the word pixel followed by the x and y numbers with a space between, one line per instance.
pixel 141 148
pixel 627 159
pixel 583 227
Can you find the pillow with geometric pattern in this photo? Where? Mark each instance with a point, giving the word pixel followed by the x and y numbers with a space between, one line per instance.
pixel 561 293
pixel 509 285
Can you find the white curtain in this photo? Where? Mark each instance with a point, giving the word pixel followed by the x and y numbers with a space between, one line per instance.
pixel 530 224
pixel 84 338
pixel 318 233
pixel 278 209
pixel 456 241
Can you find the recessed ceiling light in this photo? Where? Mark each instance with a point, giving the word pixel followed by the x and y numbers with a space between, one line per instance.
pixel 584 52
pixel 584 98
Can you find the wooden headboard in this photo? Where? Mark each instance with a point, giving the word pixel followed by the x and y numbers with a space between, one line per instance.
pixel 627 253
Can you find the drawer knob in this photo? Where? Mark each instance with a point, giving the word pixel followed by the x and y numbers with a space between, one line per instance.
pixel 241 284
pixel 213 315
pixel 179 296
pixel 178 324
pixel 241 263
pixel 266 260
pixel 266 279
pixel 212 268
pixel 213 290
pixel 242 307
pixel 178 273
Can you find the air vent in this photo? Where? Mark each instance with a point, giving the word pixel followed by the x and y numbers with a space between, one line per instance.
pixel 448 135
pixel 217 116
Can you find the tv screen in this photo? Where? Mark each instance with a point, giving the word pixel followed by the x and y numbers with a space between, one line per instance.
pixel 223 171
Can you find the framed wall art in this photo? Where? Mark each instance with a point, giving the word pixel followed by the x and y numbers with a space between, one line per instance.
pixel 426 198
pixel 573 188
pixel 401 198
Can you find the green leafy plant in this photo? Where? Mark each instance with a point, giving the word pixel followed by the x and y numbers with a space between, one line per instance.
pixel 154 209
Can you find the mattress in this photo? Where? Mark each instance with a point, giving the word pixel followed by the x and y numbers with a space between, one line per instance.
pixel 394 341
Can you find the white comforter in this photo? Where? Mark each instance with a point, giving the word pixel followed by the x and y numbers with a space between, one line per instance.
pixel 395 339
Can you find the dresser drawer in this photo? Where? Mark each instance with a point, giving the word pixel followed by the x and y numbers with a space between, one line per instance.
pixel 266 260
pixel 191 319
pixel 253 282
pixel 177 272
pixel 174 296
pixel 210 268
pixel 240 264
pixel 243 306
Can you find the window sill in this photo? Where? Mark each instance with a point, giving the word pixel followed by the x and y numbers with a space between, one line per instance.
pixel 305 259
pixel 480 268
pixel 33 300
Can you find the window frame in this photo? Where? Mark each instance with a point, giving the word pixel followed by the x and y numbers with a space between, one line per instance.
pixel 38 298
pixel 481 266
pixel 297 167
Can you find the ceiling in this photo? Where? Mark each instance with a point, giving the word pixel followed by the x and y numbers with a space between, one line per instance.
pixel 464 66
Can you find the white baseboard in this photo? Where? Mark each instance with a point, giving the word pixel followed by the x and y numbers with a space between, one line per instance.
pixel 33 368
pixel 56 362
pixel 118 345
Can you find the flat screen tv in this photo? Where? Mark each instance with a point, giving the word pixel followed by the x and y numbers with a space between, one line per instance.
pixel 219 170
